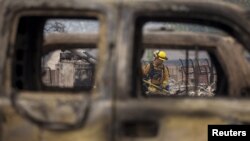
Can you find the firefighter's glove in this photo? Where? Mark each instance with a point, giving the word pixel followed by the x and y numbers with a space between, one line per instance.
pixel 152 89
pixel 165 85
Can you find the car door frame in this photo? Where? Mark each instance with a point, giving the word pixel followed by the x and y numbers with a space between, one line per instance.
pixel 105 68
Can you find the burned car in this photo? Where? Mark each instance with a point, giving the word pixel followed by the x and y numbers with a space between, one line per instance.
pixel 208 72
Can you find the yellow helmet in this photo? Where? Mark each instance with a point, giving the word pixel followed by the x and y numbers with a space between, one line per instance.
pixel 162 55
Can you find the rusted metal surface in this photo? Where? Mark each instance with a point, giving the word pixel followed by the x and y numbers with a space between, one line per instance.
pixel 116 44
pixel 151 39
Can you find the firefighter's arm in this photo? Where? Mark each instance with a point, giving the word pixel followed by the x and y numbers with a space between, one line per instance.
pixel 145 69
pixel 165 78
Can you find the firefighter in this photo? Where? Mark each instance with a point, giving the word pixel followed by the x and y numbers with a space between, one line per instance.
pixel 156 73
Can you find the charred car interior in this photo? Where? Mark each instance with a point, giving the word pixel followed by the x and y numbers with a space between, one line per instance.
pixel 122 70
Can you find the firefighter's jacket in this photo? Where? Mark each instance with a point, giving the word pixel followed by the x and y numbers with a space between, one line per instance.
pixel 158 75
